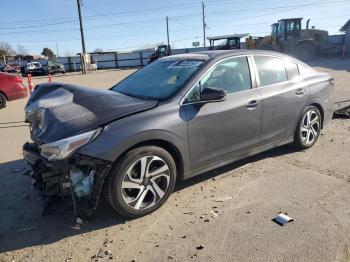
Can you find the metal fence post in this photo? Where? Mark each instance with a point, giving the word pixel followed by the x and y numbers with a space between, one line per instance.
pixel 141 59
pixel 116 59
pixel 69 64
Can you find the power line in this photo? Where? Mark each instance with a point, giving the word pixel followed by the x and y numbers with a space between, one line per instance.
pixel 41 25
pixel 111 36
pixel 175 18
pixel 278 7
pixel 262 13
pixel 127 13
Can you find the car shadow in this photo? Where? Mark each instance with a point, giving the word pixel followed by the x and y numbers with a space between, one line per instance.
pixel 21 222
pixel 283 150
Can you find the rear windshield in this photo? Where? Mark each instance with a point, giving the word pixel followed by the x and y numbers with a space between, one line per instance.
pixel 159 80
pixel 53 62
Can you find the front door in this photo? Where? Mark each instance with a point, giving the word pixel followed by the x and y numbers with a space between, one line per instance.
pixel 222 129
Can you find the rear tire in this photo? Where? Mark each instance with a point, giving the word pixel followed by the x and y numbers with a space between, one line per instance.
pixel 141 181
pixel 308 129
pixel 2 101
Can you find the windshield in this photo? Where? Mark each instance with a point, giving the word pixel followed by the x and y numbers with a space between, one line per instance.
pixel 53 62
pixel 33 65
pixel 159 80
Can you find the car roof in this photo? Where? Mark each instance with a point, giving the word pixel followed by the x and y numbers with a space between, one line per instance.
pixel 187 56
pixel 219 54
pixel 205 55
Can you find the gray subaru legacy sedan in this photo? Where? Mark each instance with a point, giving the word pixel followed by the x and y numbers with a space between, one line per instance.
pixel 173 119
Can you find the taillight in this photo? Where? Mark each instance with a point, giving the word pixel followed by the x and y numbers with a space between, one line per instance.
pixel 16 79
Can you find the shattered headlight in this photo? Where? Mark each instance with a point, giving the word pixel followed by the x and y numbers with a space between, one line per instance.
pixel 61 149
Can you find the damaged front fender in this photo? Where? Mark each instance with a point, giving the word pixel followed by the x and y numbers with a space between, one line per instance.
pixel 79 176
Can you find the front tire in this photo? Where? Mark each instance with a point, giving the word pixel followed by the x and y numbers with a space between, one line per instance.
pixel 141 181
pixel 308 129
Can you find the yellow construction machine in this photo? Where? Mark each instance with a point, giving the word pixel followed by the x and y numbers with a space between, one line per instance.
pixel 288 37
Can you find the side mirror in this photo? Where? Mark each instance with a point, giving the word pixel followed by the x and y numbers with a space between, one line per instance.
pixel 212 94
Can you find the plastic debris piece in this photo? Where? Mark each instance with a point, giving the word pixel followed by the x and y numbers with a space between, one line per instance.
pixel 282 219
pixel 342 108
pixel 200 247
pixel 223 199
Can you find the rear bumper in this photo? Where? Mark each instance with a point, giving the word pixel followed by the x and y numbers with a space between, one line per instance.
pixel 56 70
pixel 78 176
pixel 18 91
pixel 35 71
pixel 329 103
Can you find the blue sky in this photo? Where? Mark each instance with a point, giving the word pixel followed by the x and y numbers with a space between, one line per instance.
pixel 125 25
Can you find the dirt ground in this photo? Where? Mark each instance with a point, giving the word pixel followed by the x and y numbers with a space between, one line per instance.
pixel 223 215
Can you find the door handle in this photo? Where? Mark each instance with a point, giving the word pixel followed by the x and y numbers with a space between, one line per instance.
pixel 300 92
pixel 253 104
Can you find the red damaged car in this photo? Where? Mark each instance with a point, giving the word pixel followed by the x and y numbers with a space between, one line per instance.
pixel 11 88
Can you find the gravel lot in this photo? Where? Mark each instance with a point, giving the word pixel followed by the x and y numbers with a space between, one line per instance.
pixel 223 215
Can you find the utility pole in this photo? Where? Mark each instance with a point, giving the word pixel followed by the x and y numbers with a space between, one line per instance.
pixel 82 57
pixel 204 24
pixel 167 29
pixel 57 55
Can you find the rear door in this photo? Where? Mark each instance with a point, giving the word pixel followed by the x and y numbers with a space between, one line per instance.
pixel 283 97
pixel 217 130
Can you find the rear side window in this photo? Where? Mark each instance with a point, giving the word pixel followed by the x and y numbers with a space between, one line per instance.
pixel 292 70
pixel 271 70
pixel 304 71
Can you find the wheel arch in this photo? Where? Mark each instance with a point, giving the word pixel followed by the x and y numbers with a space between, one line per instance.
pixel 3 93
pixel 166 145
pixel 318 106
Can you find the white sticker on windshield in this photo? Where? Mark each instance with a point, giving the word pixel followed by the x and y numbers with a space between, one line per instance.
pixel 186 63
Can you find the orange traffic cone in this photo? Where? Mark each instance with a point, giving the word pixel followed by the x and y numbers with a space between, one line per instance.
pixel 50 79
pixel 30 84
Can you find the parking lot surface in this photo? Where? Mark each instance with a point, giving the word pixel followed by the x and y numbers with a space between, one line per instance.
pixel 222 215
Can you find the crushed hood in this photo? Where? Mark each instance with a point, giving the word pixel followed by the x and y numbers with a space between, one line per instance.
pixel 56 111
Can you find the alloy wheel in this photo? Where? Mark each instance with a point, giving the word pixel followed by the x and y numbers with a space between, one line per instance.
pixel 310 127
pixel 145 182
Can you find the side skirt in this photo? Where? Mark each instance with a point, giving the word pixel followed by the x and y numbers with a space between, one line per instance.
pixel 233 158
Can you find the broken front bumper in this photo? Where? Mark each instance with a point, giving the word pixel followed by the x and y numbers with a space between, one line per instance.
pixel 78 176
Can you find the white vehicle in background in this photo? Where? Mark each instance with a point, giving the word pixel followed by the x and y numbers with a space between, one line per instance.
pixel 34 68
pixel 44 67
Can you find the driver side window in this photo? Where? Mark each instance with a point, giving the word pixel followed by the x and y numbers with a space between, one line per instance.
pixel 231 75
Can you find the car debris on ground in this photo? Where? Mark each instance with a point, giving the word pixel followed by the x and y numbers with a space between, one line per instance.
pixel 342 108
pixel 282 219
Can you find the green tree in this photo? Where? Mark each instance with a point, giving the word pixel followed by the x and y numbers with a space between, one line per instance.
pixel 48 52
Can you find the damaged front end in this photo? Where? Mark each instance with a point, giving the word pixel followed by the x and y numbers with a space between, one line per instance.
pixel 62 119
pixel 76 176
